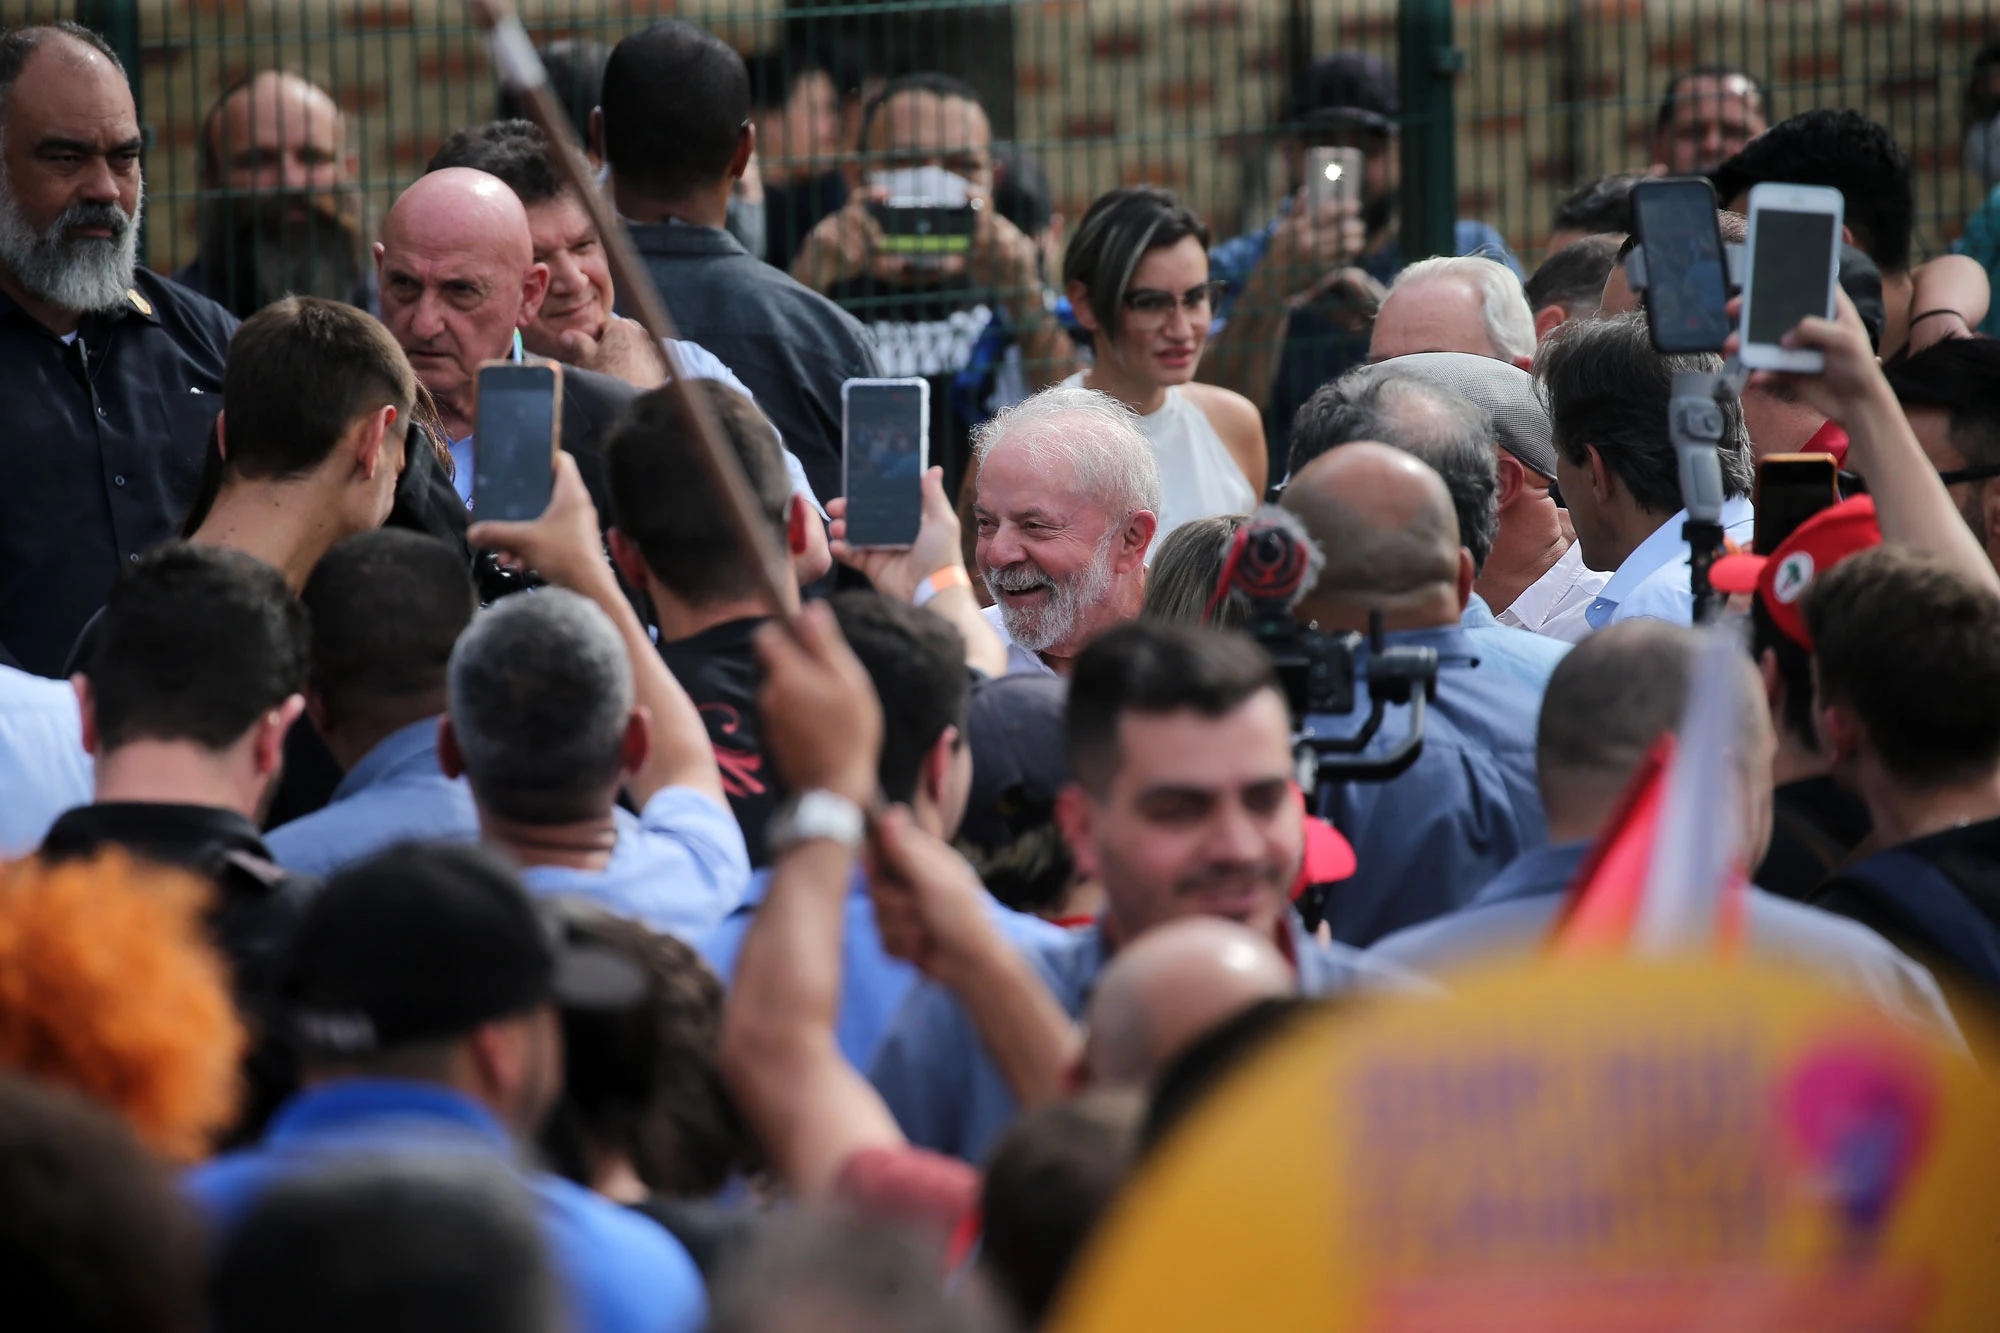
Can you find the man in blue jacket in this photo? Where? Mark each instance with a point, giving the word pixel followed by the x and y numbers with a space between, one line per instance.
pixel 424 986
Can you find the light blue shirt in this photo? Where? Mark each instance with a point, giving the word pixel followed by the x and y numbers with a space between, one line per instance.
pixel 1653 580
pixel 44 769
pixel 944 1089
pixel 679 867
pixel 1515 653
pixel 1516 911
pixel 396 793
pixel 1427 839
pixel 621 1272
pixel 872 984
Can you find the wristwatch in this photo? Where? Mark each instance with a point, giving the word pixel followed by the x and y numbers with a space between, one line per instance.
pixel 814 814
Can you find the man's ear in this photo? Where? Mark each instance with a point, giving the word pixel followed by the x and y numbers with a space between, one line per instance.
pixel 1846 234
pixel 369 433
pixel 1840 732
pixel 1076 817
pixel 936 769
pixel 380 250
pixel 534 289
pixel 316 709
pixel 1138 536
pixel 798 514
pixel 1774 681
pixel 594 135
pixel 86 708
pixel 625 556
pixel 268 745
pixel 1466 576
pixel 1513 478
pixel 637 746
pixel 1547 320
pixel 1603 485
pixel 746 145
pixel 451 760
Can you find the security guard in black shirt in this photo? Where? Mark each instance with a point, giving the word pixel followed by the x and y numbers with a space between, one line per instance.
pixel 111 376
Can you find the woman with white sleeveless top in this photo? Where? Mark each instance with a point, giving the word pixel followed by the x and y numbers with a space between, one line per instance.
pixel 1136 273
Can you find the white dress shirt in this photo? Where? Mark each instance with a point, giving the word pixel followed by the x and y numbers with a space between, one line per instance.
pixel 1020 662
pixel 1653 580
pixel 1556 604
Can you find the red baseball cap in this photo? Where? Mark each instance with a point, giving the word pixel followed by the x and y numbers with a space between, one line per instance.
pixel 1781 578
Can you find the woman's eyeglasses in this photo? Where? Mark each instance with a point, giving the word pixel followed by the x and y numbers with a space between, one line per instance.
pixel 1153 303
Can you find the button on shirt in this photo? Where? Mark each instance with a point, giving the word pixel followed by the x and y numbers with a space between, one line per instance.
pixel 1516 912
pixel 946 1092
pixel 872 984
pixel 1020 662
pixel 621 1272
pixel 1427 839
pixel 44 769
pixel 1557 604
pixel 394 794
pixel 679 866
pixel 102 453
pixel 1528 658
pixel 1653 580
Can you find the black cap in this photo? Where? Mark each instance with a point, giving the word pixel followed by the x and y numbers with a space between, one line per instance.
pixel 427 941
pixel 1351 87
pixel 1014 725
pixel 1862 281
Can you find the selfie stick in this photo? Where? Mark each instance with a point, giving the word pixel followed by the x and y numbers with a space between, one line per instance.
pixel 1695 423
pixel 520 71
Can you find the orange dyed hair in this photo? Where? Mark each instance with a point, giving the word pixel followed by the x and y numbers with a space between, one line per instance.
pixel 109 986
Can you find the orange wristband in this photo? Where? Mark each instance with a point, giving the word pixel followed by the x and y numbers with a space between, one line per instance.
pixel 951 576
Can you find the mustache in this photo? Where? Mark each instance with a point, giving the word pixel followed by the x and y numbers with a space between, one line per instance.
pixel 87 214
pixel 1018 578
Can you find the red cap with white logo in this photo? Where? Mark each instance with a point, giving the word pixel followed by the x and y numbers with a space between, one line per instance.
pixel 1781 578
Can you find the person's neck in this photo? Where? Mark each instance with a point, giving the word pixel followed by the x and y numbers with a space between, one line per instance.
pixel 683 620
pixel 708 208
pixel 583 844
pixel 56 319
pixel 1900 813
pixel 1796 761
pixel 456 411
pixel 1127 595
pixel 1630 526
pixel 1429 608
pixel 1528 544
pixel 1108 375
pixel 171 773
pixel 613 1175
pixel 1898 290
pixel 352 741
pixel 288 525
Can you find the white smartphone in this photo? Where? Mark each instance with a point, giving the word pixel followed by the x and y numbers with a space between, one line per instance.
pixel 885 428
pixel 1793 271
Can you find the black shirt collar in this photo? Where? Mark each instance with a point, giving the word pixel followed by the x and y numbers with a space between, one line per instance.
pixel 194 836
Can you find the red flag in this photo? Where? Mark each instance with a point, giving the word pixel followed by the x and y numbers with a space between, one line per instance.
pixel 1604 902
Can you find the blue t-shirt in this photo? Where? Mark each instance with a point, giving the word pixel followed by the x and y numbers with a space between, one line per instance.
pixel 623 1273
pixel 395 794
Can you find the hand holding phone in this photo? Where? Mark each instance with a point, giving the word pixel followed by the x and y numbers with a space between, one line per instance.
pixel 1686 275
pixel 515 437
pixel 562 543
pixel 1793 273
pixel 1849 371
pixel 885 443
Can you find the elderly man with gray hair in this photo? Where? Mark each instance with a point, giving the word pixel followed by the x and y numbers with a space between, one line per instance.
pixel 557 699
pixel 1458 303
pixel 1530 573
pixel 1066 506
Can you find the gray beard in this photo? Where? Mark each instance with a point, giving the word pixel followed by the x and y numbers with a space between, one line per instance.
pixel 79 274
pixel 1056 620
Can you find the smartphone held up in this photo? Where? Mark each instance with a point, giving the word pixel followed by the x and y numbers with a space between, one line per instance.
pixel 1794 270
pixel 515 438
pixel 885 443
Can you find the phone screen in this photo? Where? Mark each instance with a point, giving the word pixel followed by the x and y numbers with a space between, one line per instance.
pixel 1686 288
pixel 885 429
pixel 1793 256
pixel 513 447
pixel 1790 491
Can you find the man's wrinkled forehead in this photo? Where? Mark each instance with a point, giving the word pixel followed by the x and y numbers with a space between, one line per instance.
pixel 66 90
pixel 1023 475
pixel 279 111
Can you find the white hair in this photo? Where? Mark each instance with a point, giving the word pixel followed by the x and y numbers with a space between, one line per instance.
pixel 1094 432
pixel 1510 325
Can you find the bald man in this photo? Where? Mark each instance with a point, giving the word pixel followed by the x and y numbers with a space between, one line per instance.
pixel 1610 700
pixel 456 265
pixel 1427 839
pixel 279 213
pixel 1170 986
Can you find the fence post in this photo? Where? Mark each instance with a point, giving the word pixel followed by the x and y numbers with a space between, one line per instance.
pixel 1428 63
pixel 117 21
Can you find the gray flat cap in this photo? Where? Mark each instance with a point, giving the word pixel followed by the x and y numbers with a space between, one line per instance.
pixel 1520 418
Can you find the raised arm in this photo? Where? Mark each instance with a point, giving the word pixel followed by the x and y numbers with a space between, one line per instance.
pixel 810 1108
pixel 564 546
pixel 1949 296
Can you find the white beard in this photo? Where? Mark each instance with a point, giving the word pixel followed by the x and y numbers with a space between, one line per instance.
pixel 1055 621
pixel 82 274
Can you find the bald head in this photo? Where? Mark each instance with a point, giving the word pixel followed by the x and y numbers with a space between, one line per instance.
pixel 1386 523
pixel 458 277
pixel 275 131
pixel 1171 985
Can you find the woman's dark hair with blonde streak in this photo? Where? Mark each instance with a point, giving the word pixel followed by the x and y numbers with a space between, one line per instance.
pixel 109 987
pixel 1182 578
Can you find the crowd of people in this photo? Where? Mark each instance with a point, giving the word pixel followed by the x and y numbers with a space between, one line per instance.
pixel 421 920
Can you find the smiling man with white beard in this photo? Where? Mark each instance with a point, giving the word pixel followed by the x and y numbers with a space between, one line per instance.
pixel 1068 502
pixel 112 376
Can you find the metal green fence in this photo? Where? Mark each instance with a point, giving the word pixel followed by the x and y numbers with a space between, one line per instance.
pixel 1542 93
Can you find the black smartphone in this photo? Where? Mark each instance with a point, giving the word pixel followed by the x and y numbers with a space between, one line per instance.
pixel 515 438
pixel 885 430
pixel 1687 287
pixel 1791 488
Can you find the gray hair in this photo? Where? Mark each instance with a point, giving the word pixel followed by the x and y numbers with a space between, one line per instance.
pixel 1452 434
pixel 1094 432
pixel 1510 325
pixel 540 690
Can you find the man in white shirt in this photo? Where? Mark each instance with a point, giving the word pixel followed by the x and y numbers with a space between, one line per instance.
pixel 1608 391
pixel 1068 498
